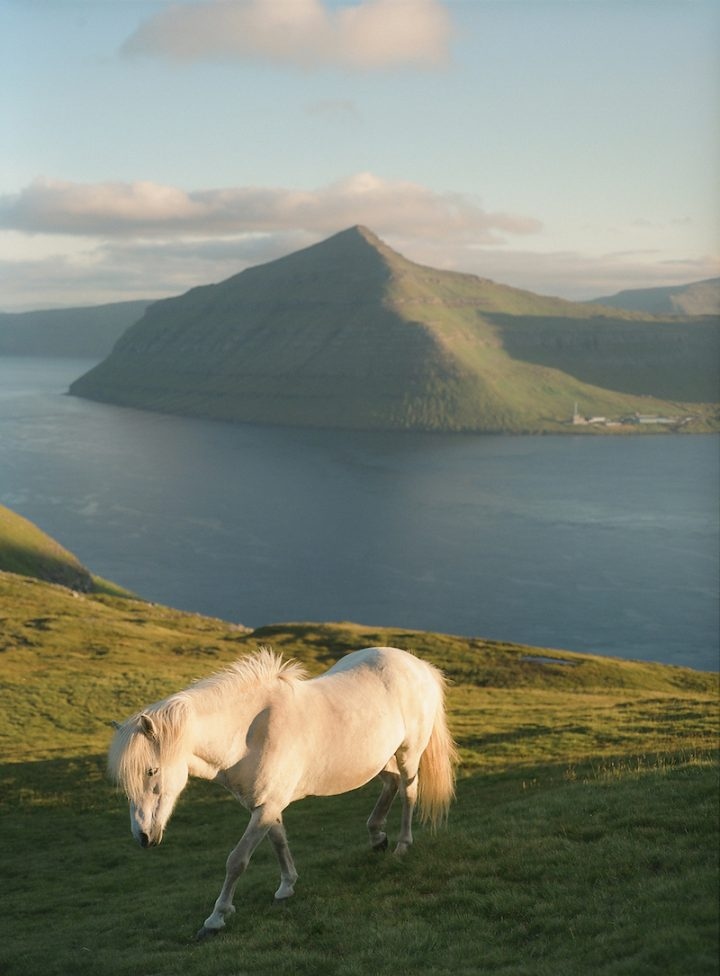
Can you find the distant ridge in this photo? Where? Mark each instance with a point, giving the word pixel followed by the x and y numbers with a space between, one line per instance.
pixel 696 298
pixel 87 332
pixel 349 333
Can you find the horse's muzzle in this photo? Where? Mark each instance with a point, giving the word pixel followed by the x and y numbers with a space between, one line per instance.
pixel 145 841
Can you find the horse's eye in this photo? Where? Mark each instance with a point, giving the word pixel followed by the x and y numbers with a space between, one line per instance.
pixel 152 772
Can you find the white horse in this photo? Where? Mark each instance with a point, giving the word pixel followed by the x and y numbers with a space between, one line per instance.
pixel 272 736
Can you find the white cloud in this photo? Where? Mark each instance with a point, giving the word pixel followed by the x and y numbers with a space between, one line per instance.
pixel 576 275
pixel 76 244
pixel 305 33
pixel 56 206
pixel 150 210
pixel 124 269
pixel 118 270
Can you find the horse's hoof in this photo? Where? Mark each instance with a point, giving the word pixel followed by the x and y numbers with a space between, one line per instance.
pixel 381 846
pixel 206 933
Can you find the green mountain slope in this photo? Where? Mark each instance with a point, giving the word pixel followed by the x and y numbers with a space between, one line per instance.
pixel 73 332
pixel 695 298
pixel 348 333
pixel 123 653
pixel 28 551
pixel 674 358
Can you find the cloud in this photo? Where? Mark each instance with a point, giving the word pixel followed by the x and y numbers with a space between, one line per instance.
pixel 147 209
pixel 55 206
pixel 81 244
pixel 118 270
pixel 366 35
pixel 575 275
pixel 123 269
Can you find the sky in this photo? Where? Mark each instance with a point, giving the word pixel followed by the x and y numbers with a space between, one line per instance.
pixel 570 147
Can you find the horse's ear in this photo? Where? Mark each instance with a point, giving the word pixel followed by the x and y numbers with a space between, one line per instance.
pixel 148 726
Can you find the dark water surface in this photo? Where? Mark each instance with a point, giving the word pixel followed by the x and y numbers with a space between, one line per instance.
pixel 606 544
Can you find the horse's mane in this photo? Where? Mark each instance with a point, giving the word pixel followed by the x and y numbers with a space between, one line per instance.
pixel 256 669
pixel 133 752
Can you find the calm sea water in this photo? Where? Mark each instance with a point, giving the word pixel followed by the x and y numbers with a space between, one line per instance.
pixel 608 545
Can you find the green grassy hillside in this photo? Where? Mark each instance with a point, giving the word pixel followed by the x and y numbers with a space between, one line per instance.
pixel 677 358
pixel 348 333
pixel 27 550
pixel 583 839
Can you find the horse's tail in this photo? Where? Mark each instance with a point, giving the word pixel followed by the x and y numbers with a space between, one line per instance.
pixel 436 776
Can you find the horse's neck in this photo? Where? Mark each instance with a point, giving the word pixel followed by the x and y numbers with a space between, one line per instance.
pixel 219 730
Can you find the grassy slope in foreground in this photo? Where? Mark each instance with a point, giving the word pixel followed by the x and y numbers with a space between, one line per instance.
pixel 348 333
pixel 583 839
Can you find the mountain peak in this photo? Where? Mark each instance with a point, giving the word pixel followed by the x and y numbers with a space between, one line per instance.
pixel 356 251
pixel 359 233
pixel 367 235
pixel 357 241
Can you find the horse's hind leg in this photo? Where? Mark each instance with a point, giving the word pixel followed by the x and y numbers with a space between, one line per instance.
pixel 408 793
pixel 377 819
pixel 288 874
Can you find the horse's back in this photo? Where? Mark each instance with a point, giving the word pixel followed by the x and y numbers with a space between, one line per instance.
pixel 356 716
pixel 382 661
pixel 409 687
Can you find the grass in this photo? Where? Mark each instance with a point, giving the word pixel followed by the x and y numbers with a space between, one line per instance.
pixel 600 874
pixel 27 551
pixel 584 837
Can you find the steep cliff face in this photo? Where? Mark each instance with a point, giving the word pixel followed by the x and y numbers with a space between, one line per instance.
pixel 673 358
pixel 348 333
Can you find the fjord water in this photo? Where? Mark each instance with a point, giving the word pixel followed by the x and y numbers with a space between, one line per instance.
pixel 600 544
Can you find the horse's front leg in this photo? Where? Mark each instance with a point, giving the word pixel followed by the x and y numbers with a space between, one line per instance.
pixel 237 862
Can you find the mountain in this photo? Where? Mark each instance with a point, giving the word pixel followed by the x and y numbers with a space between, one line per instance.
pixel 73 332
pixel 26 550
pixel 348 333
pixel 697 298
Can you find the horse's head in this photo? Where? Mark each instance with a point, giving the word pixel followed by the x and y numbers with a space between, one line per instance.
pixel 152 771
